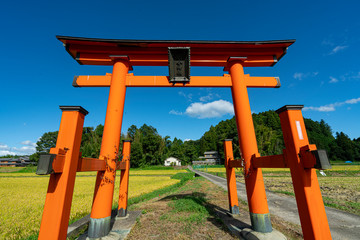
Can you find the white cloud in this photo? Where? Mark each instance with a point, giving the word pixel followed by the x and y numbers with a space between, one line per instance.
pixel 28 143
pixel 300 76
pixel 187 96
pixel 209 97
pixel 326 108
pixel 28 149
pixel 4 147
pixel 353 101
pixel 210 110
pixel 332 107
pixel 349 76
pixel 187 139
pixel 333 80
pixel 354 76
pixel 206 98
pixel 6 152
pixel 174 112
pixel 337 49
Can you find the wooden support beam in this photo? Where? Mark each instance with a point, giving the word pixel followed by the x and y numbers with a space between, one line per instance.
pixel 275 161
pixel 91 164
pixel 87 58
pixel 236 164
pixel 163 81
pixel 84 164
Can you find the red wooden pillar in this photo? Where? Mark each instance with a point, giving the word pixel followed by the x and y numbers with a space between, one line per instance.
pixel 231 178
pixel 104 188
pixel 255 189
pixel 309 201
pixel 55 219
pixel 124 180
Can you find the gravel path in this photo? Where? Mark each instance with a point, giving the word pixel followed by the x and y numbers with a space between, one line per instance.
pixel 342 225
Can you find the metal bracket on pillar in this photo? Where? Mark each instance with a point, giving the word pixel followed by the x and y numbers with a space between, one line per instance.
pixel 314 158
pixel 231 60
pixel 126 58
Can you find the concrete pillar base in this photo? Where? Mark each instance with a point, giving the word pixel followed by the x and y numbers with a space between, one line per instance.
pixel 99 227
pixel 261 222
pixel 122 212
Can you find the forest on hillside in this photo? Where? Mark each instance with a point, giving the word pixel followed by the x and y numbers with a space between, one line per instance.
pixel 149 148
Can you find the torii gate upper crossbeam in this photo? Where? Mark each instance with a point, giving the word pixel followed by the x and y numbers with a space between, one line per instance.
pixel 163 81
pixel 94 51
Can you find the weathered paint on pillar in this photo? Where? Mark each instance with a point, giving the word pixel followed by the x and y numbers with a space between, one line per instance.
pixel 309 201
pixel 258 207
pixel 124 180
pixel 231 178
pixel 55 219
pixel 104 188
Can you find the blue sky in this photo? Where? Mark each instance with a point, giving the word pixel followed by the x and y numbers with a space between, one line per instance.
pixel 321 70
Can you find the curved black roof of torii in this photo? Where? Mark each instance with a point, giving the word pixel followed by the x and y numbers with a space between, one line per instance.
pixel 95 51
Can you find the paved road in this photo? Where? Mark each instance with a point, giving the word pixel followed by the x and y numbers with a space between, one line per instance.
pixel 342 225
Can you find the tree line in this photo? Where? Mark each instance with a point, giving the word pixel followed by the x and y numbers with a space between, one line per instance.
pixel 150 148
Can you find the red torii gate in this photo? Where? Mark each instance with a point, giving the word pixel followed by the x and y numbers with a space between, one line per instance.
pixel 122 55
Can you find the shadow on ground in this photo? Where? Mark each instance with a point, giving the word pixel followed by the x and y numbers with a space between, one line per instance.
pixel 197 202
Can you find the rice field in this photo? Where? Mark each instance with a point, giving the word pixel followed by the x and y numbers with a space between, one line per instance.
pixel 22 197
pixel 340 187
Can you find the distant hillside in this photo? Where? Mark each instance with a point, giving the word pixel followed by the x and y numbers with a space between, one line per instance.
pixel 149 148
pixel 270 139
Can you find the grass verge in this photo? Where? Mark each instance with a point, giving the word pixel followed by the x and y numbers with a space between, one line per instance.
pixel 183 177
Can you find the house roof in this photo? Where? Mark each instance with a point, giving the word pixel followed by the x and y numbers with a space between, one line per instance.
pixel 210 152
pixel 174 158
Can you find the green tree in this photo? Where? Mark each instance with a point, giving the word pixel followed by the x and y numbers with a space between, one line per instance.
pixel 131 132
pixel 46 141
pixel 344 149
pixel 177 149
pixel 91 141
pixel 137 151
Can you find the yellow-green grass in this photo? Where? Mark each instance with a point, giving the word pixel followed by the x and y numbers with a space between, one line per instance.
pixel 134 172
pixel 156 172
pixel 9 169
pixel 22 197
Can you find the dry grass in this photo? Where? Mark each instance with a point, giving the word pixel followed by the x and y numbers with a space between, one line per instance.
pixel 340 187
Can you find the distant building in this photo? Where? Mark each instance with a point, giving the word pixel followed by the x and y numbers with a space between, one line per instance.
pixel 209 158
pixel 15 162
pixel 171 161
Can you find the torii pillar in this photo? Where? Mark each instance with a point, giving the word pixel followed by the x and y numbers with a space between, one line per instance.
pixel 258 207
pixel 100 217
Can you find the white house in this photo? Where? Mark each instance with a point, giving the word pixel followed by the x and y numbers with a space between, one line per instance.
pixel 171 161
